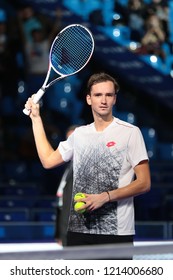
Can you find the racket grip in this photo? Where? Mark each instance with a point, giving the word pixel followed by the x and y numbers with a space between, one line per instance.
pixel 36 99
pixel 26 111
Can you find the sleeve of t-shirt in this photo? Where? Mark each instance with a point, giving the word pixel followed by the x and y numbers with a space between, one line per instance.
pixel 136 147
pixel 66 148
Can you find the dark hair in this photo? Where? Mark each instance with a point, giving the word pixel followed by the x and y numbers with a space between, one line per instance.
pixel 99 78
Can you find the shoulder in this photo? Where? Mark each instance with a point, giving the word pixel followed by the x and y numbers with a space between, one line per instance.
pixel 124 124
pixel 84 128
pixel 126 128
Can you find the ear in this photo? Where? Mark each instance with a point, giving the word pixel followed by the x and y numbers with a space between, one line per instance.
pixel 88 99
pixel 115 99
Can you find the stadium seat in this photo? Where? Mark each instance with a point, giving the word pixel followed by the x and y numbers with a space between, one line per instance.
pixel 150 138
pixel 169 208
pixel 44 215
pixel 30 190
pixel 46 202
pixel 7 106
pixel 123 2
pixel 120 34
pixel 126 116
pixel 36 171
pixel 17 215
pixel 165 151
pixel 15 170
pixel 149 206
pixel 17 202
pixel 156 62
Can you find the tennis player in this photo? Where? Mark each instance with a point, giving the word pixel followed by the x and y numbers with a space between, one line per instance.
pixel 110 165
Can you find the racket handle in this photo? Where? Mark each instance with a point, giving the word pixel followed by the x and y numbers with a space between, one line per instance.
pixel 26 112
pixel 36 99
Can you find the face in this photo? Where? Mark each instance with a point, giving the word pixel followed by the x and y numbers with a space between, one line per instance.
pixel 102 98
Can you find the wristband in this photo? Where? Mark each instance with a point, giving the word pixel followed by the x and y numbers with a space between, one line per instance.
pixel 109 196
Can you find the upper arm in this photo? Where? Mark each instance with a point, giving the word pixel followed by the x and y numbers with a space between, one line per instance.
pixel 55 159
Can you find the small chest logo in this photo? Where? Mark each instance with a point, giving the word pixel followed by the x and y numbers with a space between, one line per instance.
pixel 110 144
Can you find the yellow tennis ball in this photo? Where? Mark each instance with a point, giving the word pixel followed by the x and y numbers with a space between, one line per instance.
pixel 78 196
pixel 77 207
pixel 80 203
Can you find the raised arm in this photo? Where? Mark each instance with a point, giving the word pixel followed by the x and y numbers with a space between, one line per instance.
pixel 48 156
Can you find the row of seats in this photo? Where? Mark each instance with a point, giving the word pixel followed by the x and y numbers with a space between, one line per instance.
pixel 28 201
pixel 61 98
pixel 23 177
pixel 21 171
pixel 25 215
pixel 157 205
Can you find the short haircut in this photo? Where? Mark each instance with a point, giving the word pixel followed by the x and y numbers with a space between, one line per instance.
pixel 99 78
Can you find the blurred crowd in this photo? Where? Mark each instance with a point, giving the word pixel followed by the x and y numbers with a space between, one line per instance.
pixel 25 39
pixel 149 24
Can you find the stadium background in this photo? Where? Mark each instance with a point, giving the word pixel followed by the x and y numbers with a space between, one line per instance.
pixel 27 191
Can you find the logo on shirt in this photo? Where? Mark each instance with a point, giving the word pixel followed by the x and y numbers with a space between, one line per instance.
pixel 110 144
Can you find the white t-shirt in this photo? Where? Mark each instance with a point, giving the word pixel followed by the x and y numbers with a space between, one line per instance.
pixel 104 161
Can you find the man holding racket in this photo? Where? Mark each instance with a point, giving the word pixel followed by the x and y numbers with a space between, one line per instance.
pixel 110 166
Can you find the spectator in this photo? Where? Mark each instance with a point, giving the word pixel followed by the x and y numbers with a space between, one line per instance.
pixel 136 18
pixel 154 37
pixel 38 35
pixel 161 9
pixel 8 65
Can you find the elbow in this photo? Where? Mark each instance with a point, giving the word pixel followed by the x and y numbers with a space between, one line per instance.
pixel 46 165
pixel 147 186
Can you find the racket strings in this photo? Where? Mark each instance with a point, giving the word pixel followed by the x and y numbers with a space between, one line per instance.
pixel 71 50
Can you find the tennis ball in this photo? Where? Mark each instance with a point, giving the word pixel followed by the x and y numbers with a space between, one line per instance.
pixel 77 207
pixel 79 204
pixel 79 195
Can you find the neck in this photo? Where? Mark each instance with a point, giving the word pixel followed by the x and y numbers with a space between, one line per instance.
pixel 101 123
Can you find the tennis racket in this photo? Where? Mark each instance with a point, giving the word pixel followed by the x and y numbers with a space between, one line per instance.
pixel 70 51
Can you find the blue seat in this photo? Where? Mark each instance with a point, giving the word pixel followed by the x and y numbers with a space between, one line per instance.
pixel 149 206
pixel 126 116
pixel 150 138
pixel 165 151
pixel 44 215
pixel 22 191
pixel 120 34
pixel 169 207
pixel 156 62
pixel 60 101
pixel 36 171
pixel 123 2
pixel 46 202
pixel 82 8
pixel 15 215
pixel 17 202
pixel 15 170
pixel 7 106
